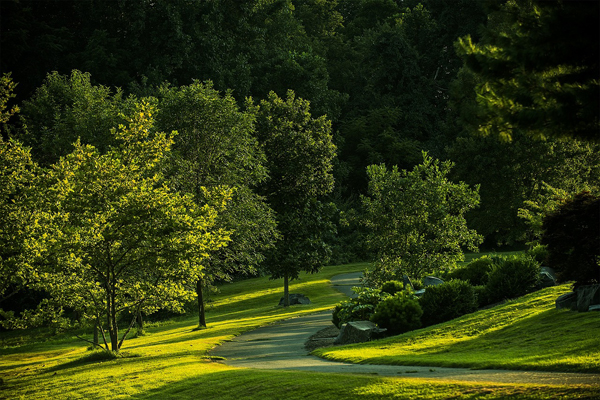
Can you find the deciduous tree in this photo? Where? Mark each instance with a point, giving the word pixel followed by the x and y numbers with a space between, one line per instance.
pixel 417 220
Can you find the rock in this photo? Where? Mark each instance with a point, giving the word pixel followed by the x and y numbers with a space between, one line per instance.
pixel 419 292
pixel 547 278
pixel 587 296
pixel 359 332
pixel 296 299
pixel 432 281
pixel 567 300
pixel 595 307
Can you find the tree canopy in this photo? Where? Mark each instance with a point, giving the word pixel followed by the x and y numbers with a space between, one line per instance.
pixel 417 220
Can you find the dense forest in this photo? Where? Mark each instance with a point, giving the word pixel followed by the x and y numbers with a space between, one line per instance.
pixel 273 112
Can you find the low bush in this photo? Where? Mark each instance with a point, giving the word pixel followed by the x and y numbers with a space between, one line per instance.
pixel 392 287
pixel 447 301
pixel 481 296
pixel 512 277
pixel 539 253
pixel 474 272
pixel 359 308
pixel 399 313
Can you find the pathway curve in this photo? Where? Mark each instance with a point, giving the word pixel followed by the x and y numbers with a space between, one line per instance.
pixel 280 346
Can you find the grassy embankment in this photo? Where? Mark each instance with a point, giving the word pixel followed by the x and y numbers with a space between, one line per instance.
pixel 171 360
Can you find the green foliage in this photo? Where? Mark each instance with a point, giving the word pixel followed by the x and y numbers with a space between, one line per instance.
pixel 539 253
pixel 447 301
pixel 19 221
pixel 118 239
pixel 539 74
pixel 7 88
pixel 67 108
pixel 201 157
pixel 300 153
pixel 359 308
pixel 392 287
pixel 399 313
pixel 511 277
pixel 417 220
pixel 474 272
pixel 571 234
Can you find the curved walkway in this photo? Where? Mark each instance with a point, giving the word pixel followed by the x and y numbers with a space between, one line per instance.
pixel 280 346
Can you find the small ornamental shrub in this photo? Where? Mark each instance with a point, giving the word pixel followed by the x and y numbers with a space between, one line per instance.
pixel 512 277
pixel 540 253
pixel 447 301
pixel 392 287
pixel 474 272
pixel 399 313
pixel 359 308
pixel 572 236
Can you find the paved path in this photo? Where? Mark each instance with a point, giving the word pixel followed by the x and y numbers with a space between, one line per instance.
pixel 280 346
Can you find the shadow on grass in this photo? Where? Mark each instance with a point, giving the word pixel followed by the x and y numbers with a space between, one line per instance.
pixel 93 357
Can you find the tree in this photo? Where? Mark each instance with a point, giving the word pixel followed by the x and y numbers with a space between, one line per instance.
pixel 539 65
pixel 215 147
pixel 572 234
pixel 417 220
pixel 299 153
pixel 67 108
pixel 510 173
pixel 120 240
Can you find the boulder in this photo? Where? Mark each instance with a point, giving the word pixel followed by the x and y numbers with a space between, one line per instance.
pixel 567 300
pixel 586 296
pixel 595 307
pixel 296 299
pixel 359 332
pixel 432 281
pixel 547 278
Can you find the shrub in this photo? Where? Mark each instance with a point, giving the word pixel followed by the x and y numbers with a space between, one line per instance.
pixel 447 301
pixel 571 234
pixel 359 308
pixel 399 313
pixel 512 277
pixel 474 272
pixel 481 296
pixel 392 287
pixel 540 253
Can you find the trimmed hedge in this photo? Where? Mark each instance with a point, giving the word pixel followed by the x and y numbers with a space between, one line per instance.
pixel 448 301
pixel 398 314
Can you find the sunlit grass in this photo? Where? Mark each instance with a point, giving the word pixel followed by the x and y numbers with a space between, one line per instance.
pixel 171 360
pixel 527 333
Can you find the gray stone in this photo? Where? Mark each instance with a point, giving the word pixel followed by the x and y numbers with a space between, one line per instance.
pixel 296 299
pixel 567 300
pixel 547 278
pixel 419 292
pixel 587 296
pixel 359 332
pixel 595 307
pixel 432 281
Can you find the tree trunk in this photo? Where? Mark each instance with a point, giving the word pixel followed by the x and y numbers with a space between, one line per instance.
pixel 286 291
pixel 113 329
pixel 140 323
pixel 96 339
pixel 201 308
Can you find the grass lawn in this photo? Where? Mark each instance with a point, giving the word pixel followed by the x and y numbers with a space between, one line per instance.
pixel 524 334
pixel 170 361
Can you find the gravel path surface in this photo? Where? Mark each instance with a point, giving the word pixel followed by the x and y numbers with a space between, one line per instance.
pixel 281 346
